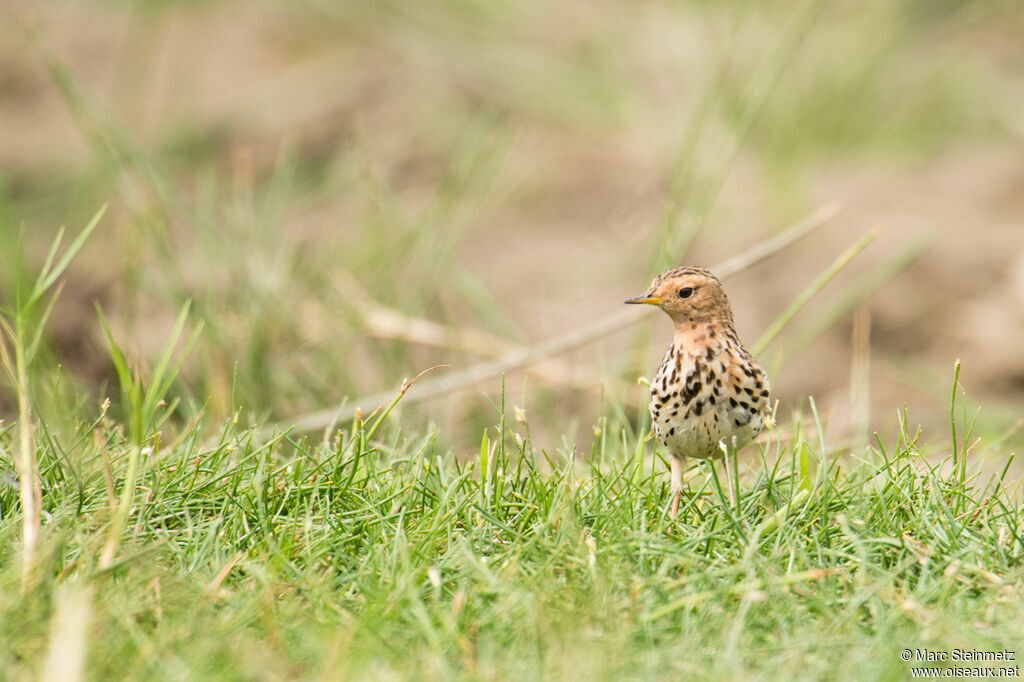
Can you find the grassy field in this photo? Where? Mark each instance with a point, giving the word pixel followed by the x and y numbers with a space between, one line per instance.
pixel 214 463
pixel 209 550
pixel 373 554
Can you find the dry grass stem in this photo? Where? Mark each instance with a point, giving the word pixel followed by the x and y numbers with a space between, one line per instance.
pixel 530 355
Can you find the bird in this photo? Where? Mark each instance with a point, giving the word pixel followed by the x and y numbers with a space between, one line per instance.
pixel 709 393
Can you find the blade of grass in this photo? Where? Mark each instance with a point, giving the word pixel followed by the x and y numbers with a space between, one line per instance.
pixel 47 275
pixel 855 293
pixel 23 332
pixel 810 291
pixel 142 405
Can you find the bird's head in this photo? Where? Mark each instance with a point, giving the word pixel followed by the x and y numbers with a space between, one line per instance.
pixel 688 294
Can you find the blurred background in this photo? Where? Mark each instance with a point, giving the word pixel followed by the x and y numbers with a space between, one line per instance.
pixel 352 192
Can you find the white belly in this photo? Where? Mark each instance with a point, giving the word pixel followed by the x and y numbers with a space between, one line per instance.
pixel 702 437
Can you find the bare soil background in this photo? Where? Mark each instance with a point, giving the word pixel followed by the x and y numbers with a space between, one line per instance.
pixel 510 168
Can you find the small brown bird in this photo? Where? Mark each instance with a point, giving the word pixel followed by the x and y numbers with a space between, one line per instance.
pixel 708 394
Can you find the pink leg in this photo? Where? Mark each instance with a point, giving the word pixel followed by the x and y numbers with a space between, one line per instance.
pixel 677 464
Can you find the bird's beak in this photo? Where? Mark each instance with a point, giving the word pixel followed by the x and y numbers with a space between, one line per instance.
pixel 645 298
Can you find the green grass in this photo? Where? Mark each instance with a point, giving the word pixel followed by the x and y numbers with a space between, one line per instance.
pixel 374 554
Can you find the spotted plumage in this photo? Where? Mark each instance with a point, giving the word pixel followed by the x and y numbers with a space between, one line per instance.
pixel 709 391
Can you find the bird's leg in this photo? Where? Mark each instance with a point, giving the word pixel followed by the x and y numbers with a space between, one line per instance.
pixel 676 489
pixel 734 477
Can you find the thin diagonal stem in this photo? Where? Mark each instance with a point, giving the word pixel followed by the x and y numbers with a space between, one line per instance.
pixel 560 344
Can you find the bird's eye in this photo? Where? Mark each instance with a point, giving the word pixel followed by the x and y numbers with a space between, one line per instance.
pixel 685 292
